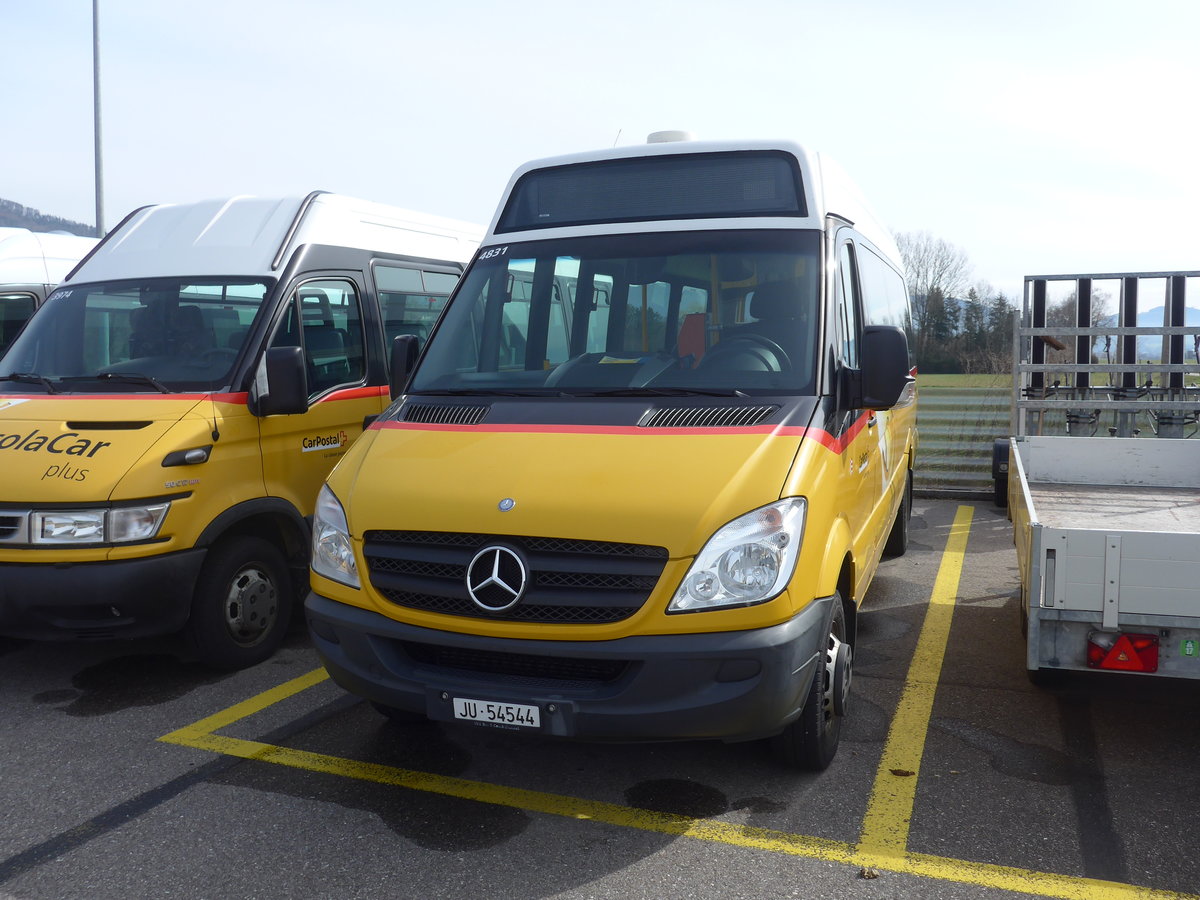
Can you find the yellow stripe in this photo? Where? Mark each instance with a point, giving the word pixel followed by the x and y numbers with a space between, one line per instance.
pixel 882 855
pixel 226 717
pixel 889 811
pixel 729 833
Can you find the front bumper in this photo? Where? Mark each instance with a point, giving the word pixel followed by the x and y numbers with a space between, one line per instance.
pixel 100 600
pixel 731 686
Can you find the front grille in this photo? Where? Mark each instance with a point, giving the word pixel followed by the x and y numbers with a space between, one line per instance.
pixel 569 581
pixel 14 527
pixel 522 666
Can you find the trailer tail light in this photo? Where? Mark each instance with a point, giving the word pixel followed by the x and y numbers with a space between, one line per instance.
pixel 1122 652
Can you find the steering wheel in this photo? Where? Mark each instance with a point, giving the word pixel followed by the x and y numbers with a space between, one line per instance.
pixel 764 352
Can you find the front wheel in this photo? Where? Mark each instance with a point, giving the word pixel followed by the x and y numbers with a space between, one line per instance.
pixel 242 604
pixel 811 741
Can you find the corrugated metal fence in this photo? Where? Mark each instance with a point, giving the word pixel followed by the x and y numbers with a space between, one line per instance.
pixel 957 426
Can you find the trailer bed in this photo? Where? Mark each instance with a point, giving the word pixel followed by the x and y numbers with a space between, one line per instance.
pixel 1122 507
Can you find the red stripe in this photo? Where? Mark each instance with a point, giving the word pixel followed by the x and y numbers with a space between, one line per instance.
pixel 238 397
pixel 824 438
pixel 124 396
pixel 372 390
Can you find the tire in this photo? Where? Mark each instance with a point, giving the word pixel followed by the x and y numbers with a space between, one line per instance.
pixel 1000 461
pixel 242 604
pixel 811 741
pixel 1001 492
pixel 897 541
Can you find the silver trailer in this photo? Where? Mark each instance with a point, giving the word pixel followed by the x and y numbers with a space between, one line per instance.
pixel 1101 476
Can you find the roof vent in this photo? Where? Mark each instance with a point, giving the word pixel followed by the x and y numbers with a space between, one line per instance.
pixel 668 137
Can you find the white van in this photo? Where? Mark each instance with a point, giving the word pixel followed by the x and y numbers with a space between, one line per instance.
pixel 31 264
pixel 169 414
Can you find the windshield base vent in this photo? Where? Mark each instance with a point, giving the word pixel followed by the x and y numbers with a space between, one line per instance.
pixel 707 417
pixel 431 414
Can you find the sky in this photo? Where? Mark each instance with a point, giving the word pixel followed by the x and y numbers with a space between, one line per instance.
pixel 1045 137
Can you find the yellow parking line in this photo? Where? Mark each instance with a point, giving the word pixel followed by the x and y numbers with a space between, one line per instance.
pixel 885 832
pixel 1045 884
pixel 226 717
pixel 889 811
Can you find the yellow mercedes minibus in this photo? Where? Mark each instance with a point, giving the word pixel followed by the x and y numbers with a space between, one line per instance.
pixel 640 478
pixel 169 414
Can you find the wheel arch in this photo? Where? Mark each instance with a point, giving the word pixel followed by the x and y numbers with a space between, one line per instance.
pixel 835 560
pixel 269 518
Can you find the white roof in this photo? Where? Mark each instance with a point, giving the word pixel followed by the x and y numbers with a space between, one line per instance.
pixel 250 236
pixel 827 189
pixel 34 257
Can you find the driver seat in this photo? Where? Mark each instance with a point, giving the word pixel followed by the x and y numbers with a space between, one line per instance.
pixel 780 314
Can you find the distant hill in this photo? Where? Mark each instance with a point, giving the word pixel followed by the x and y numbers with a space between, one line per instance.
pixel 1150 348
pixel 14 215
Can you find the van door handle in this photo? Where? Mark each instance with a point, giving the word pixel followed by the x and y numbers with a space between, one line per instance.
pixel 872 420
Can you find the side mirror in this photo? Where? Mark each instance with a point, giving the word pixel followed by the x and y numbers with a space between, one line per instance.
pixel 403 358
pixel 885 367
pixel 281 386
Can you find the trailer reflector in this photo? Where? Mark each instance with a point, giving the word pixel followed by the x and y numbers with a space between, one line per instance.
pixel 1122 652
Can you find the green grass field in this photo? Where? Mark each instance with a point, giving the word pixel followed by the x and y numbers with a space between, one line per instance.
pixel 964 381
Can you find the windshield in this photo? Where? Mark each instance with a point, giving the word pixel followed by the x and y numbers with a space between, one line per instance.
pixel 154 335
pixel 700 311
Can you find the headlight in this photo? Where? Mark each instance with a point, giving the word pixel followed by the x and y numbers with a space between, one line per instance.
pixel 332 553
pixel 98 526
pixel 748 561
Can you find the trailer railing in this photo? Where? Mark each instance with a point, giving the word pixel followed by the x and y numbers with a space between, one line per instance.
pixel 1127 394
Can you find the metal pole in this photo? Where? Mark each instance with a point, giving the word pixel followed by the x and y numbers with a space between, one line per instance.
pixel 96 104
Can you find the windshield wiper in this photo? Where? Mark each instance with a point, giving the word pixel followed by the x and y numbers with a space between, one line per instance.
pixel 661 392
pixel 133 378
pixel 31 378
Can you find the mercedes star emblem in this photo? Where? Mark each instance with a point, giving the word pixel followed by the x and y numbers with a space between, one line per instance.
pixel 496 578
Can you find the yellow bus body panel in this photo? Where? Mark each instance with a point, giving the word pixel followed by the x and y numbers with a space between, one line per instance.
pixel 672 490
pixel 90 450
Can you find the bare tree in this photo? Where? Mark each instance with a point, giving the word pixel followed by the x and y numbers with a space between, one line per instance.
pixel 936 270
pixel 1063 314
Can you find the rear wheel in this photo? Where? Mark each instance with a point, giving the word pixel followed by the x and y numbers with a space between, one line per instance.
pixel 897 542
pixel 242 604
pixel 812 740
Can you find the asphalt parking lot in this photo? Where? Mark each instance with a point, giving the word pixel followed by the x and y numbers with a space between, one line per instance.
pixel 128 771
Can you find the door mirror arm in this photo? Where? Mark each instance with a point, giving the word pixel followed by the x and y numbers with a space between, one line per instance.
pixel 403 358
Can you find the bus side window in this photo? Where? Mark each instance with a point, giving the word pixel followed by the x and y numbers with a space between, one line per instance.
pixel 329 317
pixel 14 310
